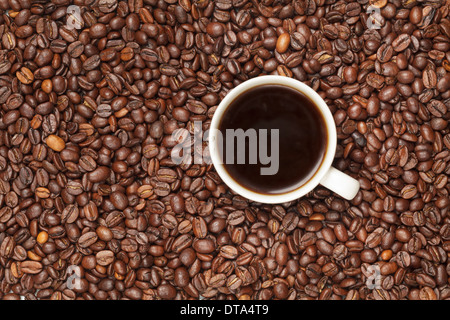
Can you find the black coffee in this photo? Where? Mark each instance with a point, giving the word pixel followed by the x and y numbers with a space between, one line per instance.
pixel 301 140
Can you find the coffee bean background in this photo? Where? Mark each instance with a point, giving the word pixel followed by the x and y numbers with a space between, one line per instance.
pixel 92 90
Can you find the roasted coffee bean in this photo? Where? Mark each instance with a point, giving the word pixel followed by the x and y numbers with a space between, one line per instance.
pixel 99 174
pixel 87 163
pixel 31 267
pixel 199 227
pixel 56 143
pixel 401 42
pixel 25 75
pixel 5 66
pixel 283 42
pixel 70 214
pixel 74 188
pixel 7 247
pixel 75 49
pixel 87 239
pixel 203 246
pixel 105 257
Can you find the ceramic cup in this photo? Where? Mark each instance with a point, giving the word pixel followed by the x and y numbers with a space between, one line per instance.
pixel 325 175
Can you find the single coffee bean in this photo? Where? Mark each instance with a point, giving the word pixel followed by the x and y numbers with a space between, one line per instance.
pixel 56 143
pixel 215 29
pixel 25 75
pixel 31 267
pixel 401 42
pixel 70 214
pixel 7 247
pixel 100 174
pixel 203 246
pixel 42 192
pixel 75 49
pixel 104 257
pixel 408 192
pixel 87 239
pixel 283 42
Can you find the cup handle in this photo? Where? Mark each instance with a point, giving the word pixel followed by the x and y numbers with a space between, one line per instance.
pixel 340 183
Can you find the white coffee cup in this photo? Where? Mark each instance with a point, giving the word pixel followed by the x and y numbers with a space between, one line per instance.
pixel 325 175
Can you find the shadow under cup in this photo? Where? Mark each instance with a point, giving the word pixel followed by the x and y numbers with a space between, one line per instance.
pixel 273 139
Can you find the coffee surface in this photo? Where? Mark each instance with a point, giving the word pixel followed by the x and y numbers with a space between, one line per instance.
pixel 302 137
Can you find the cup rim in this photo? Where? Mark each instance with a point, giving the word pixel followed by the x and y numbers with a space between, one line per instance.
pixel 326 161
